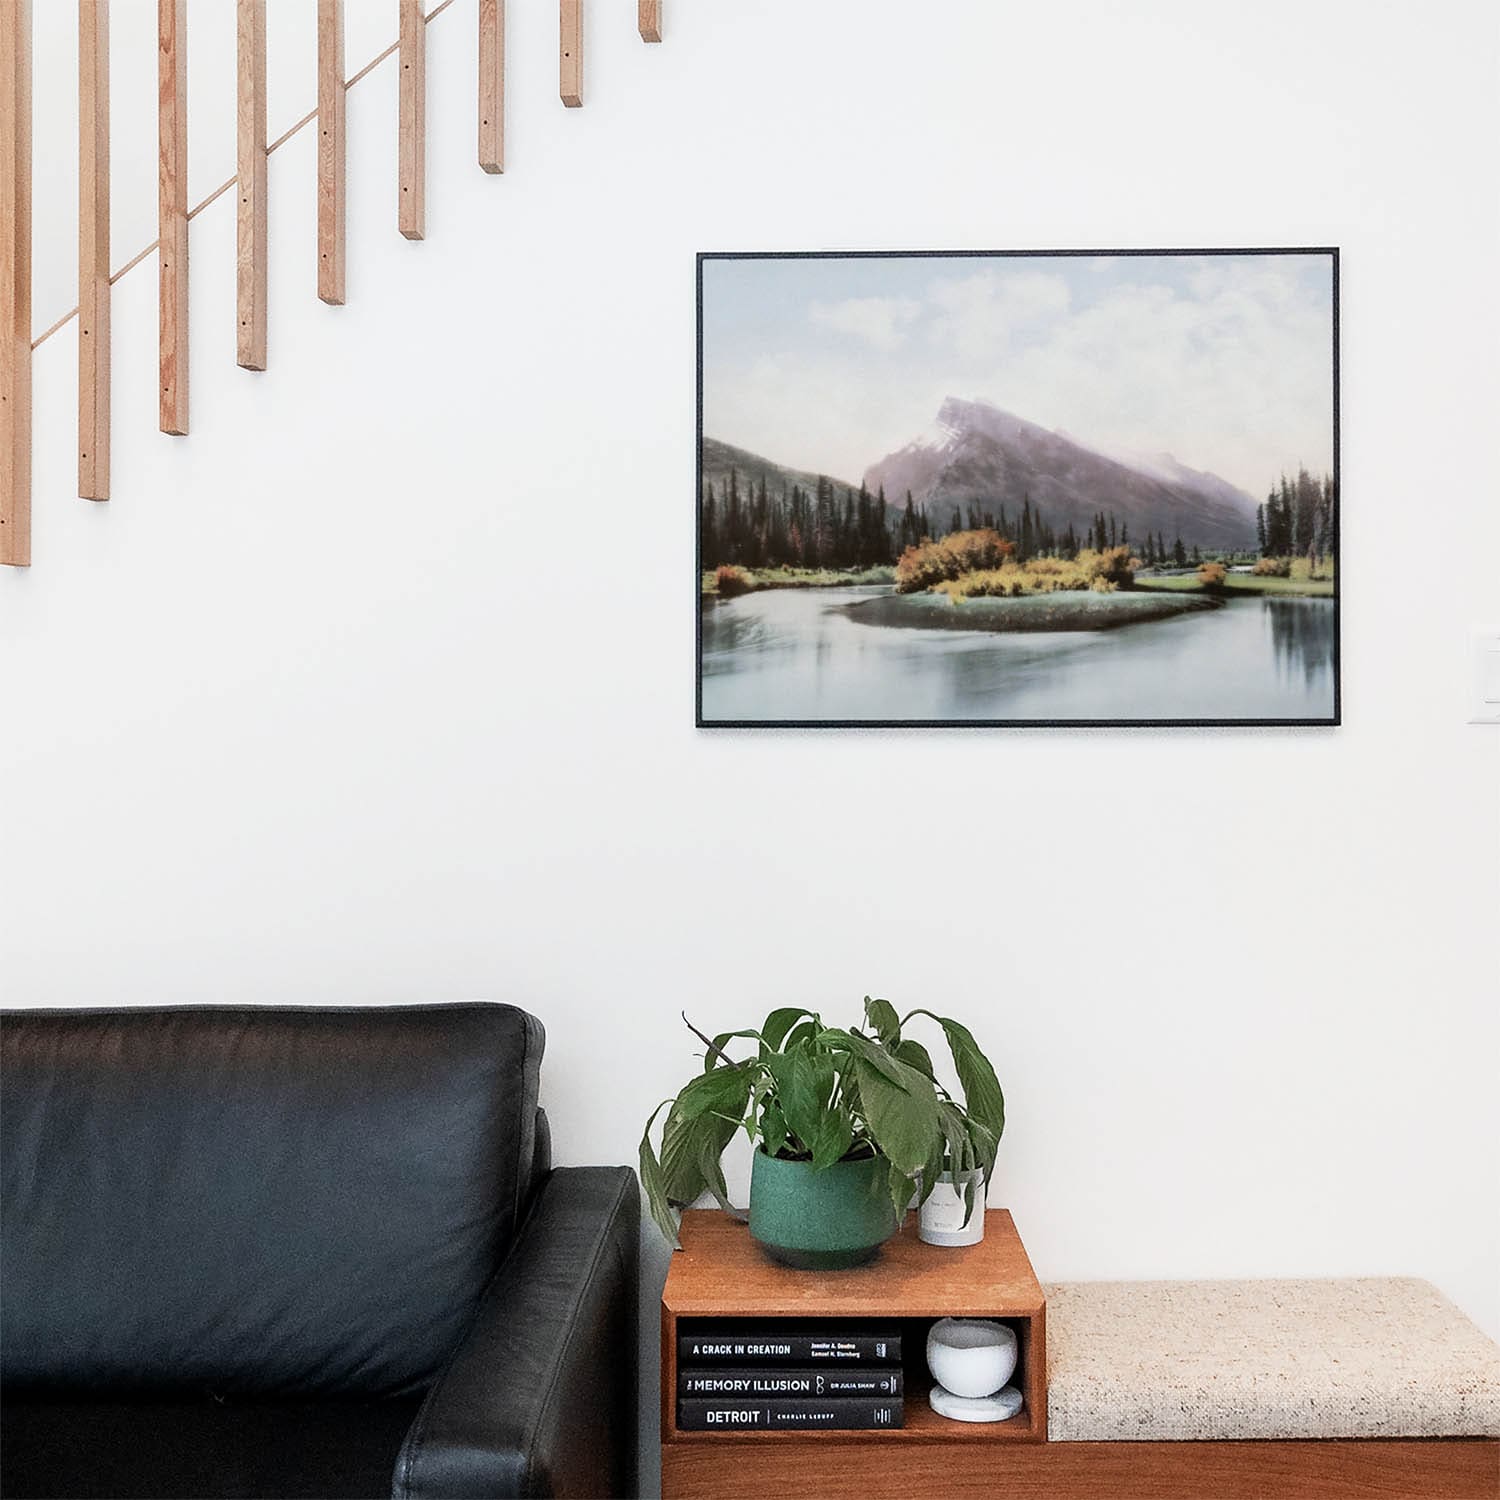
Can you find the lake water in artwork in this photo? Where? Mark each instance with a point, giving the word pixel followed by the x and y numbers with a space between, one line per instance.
pixel 798 655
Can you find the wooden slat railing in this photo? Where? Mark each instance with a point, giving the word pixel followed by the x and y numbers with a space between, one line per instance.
pixel 15 282
pixel 252 224
pixel 331 89
pixel 93 250
pixel 172 213
pixel 412 124
pixel 174 216
pixel 570 52
pixel 492 85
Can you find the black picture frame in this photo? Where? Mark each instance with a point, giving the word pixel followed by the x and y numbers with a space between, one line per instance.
pixel 1330 721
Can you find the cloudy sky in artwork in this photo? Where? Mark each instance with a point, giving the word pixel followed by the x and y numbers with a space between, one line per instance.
pixel 1224 361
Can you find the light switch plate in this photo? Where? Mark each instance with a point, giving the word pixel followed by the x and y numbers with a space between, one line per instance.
pixel 1485 681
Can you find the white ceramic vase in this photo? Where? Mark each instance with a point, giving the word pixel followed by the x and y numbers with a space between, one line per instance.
pixel 940 1220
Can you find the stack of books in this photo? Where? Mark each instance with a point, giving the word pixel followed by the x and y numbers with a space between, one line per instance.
pixel 769 1379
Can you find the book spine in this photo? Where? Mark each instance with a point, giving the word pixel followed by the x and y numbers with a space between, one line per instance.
pixel 818 1382
pixel 845 1413
pixel 792 1349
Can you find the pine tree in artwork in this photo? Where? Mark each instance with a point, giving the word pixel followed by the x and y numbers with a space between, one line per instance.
pixel 821 552
pixel 1327 517
pixel 708 528
pixel 1179 553
pixel 1305 513
pixel 733 521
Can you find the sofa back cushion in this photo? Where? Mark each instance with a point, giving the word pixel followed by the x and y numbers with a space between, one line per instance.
pixel 256 1201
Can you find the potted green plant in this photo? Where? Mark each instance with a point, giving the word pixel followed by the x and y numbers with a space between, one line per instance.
pixel 847 1124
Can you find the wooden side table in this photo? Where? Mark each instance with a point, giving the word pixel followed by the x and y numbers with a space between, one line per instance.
pixel 722 1273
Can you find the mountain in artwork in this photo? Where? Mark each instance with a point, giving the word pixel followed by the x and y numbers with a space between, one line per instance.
pixel 976 453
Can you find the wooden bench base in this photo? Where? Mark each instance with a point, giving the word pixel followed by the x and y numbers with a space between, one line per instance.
pixel 1324 1469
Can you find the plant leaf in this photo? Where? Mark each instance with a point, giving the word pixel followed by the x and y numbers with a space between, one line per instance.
pixel 985 1145
pixel 682 1178
pixel 875 1056
pixel 778 1023
pixel 773 1128
pixel 881 1016
pixel 902 1117
pixel 899 1185
pixel 654 1183
pixel 982 1094
pixel 833 1137
pixel 932 1169
pixel 804 1085
pixel 914 1055
pixel 716 1056
pixel 686 1146
pixel 712 1053
pixel 723 1090
pixel 713 1173
pixel 803 1031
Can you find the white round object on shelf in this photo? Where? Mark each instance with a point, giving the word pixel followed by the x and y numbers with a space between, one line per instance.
pixel 944 1218
pixel 971 1356
pixel 1000 1407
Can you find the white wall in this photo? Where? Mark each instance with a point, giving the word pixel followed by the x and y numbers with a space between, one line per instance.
pixel 379 686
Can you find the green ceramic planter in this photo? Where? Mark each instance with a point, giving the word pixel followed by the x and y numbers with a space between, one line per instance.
pixel 821 1221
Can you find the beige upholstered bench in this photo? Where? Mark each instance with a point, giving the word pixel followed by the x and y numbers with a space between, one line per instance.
pixel 1365 1387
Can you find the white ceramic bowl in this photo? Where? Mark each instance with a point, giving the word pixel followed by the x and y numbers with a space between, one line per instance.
pixel 971 1356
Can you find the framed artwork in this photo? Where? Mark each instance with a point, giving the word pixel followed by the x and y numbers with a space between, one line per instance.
pixel 1023 488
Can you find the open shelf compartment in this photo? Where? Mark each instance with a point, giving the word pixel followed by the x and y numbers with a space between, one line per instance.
pixel 721 1277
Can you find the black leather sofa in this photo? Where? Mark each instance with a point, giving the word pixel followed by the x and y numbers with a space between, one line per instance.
pixel 304 1252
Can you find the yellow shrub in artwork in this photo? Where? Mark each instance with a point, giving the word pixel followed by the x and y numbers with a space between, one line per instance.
pixel 1099 572
pixel 1312 568
pixel 730 581
pixel 962 552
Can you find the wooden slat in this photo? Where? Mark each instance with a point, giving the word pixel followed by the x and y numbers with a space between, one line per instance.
pixel 250 158
pixel 15 282
pixel 649 20
pixel 93 249
pixel 412 49
pixel 492 85
pixel 331 151
pixel 570 52
pixel 172 212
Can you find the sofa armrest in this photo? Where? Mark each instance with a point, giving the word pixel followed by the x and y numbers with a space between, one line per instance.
pixel 540 1397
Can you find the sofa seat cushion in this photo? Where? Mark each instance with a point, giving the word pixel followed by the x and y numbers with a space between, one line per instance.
pixel 335 1450
pixel 1165 1360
